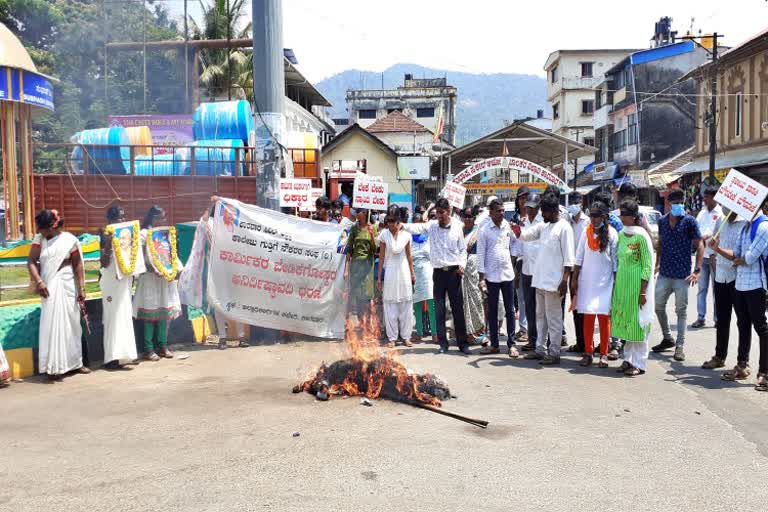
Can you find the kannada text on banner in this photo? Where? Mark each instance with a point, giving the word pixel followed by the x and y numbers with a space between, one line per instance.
pixel 741 195
pixel 278 271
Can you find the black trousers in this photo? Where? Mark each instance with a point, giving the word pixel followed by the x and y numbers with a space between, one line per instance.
pixel 725 298
pixel 750 312
pixel 507 290
pixel 530 308
pixel 449 282
pixel 578 324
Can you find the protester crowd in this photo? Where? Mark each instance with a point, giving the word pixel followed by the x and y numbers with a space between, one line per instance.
pixel 464 274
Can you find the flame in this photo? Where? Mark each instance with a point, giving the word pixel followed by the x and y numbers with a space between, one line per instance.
pixel 370 371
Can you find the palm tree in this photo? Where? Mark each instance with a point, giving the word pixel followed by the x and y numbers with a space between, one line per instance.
pixel 225 73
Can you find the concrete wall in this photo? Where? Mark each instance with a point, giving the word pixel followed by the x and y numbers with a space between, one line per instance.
pixel 403 142
pixel 379 162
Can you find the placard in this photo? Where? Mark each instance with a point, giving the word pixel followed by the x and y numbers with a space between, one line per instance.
pixel 455 194
pixel 369 194
pixel 295 192
pixel 310 206
pixel 741 195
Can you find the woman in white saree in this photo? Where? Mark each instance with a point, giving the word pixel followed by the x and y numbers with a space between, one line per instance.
pixel 56 268
pixel 117 308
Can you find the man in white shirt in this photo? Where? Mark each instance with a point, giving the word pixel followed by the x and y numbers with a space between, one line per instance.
pixel 448 255
pixel 496 251
pixel 707 219
pixel 552 271
pixel 528 251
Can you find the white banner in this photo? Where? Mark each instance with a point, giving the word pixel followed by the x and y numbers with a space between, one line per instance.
pixel 513 164
pixel 741 195
pixel 455 194
pixel 369 194
pixel 278 271
pixel 295 192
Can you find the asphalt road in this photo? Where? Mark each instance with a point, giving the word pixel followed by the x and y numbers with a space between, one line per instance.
pixel 217 432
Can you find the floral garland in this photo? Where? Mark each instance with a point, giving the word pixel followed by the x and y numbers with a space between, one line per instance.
pixel 129 268
pixel 168 275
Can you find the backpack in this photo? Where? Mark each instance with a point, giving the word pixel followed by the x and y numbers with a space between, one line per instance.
pixel 752 234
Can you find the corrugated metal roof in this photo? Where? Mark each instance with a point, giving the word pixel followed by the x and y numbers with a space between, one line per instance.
pixel 736 158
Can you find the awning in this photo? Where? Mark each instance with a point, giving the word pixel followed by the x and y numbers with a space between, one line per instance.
pixel 589 167
pixel 735 158
pixel 586 189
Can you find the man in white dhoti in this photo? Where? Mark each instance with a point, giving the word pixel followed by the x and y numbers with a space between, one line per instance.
pixel 56 268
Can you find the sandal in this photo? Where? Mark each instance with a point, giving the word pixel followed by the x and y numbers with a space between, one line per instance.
pixel 407 343
pixel 633 372
pixel 586 361
pixel 624 367
pixel 762 383
pixel 603 363
pixel 737 373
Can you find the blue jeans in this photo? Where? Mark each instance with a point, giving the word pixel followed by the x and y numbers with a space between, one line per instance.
pixel 705 278
pixel 665 286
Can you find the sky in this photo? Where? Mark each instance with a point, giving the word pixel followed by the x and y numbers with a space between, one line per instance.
pixel 489 36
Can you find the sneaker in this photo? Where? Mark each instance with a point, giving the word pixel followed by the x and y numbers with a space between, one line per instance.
pixel 664 346
pixel 698 324
pixel 679 354
pixel 550 360
pixel 713 363
pixel 533 356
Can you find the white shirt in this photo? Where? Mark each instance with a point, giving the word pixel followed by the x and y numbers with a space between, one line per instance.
pixel 596 276
pixel 707 220
pixel 555 252
pixel 579 227
pixel 446 245
pixel 529 250
pixel 495 248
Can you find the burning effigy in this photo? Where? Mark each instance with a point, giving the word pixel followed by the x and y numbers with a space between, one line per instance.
pixel 372 372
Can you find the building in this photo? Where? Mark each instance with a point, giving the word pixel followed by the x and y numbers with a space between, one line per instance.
pixel 357 150
pixel 421 99
pixel 540 122
pixel 644 114
pixel 571 79
pixel 742 112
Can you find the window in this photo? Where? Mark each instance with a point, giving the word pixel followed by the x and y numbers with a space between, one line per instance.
pixel 556 111
pixel 366 114
pixel 590 141
pixel 587 107
pixel 554 74
pixel 632 129
pixel 425 112
pixel 619 141
pixel 586 70
pixel 739 114
pixel 598 98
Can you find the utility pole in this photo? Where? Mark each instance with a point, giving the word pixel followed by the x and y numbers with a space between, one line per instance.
pixel 713 113
pixel 268 95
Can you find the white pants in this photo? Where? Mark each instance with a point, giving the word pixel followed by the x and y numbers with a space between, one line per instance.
pixel 398 318
pixel 636 354
pixel 222 323
pixel 549 321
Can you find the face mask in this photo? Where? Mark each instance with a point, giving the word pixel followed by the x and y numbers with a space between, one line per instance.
pixel 574 209
pixel 678 210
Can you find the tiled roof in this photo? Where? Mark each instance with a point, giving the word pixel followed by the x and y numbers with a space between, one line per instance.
pixel 396 121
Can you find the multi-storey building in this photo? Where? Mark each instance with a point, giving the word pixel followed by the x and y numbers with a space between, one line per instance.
pixel 741 115
pixel 571 79
pixel 421 99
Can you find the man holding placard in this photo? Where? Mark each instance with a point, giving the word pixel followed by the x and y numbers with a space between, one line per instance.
pixel 678 232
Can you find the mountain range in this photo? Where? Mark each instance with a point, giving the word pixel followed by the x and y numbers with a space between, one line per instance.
pixel 485 101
